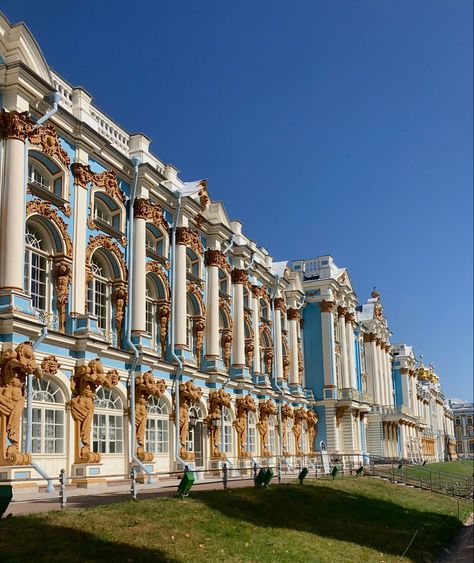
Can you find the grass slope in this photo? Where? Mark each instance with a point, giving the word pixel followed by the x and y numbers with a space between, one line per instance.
pixel 345 520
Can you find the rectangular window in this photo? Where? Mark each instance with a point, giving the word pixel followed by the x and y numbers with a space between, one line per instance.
pixel 272 440
pixel 252 435
pixel 149 318
pixel 157 435
pixel 227 439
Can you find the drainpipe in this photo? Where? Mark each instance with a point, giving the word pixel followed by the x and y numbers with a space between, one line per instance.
pixel 55 97
pixel 275 379
pixel 128 331
pixel 176 358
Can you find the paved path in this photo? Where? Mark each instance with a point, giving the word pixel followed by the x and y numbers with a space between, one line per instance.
pixel 83 498
pixel 462 550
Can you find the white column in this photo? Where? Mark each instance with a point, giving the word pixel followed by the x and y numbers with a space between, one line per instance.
pixel 139 267
pixel 212 305
pixel 277 344
pixel 256 330
pixel 341 325
pixel 238 335
pixel 293 320
pixel 375 370
pixel 327 329
pixel 13 127
pixel 380 373
pixel 79 282
pixel 389 377
pixel 352 377
pixel 180 293
pixel 403 441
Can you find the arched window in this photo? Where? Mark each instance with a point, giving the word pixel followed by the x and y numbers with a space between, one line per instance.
pixel 157 426
pixel 192 264
pixel 189 324
pixel 252 433
pixel 151 316
pixel 223 284
pixel 195 436
pixel 272 442
pixel 99 291
pixel 39 175
pixel 37 274
pixel 155 242
pixel 48 417
pixel 107 432
pixel 246 298
pixel 227 431
pixel 106 212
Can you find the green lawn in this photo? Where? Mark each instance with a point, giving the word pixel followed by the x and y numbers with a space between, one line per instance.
pixel 460 467
pixel 348 519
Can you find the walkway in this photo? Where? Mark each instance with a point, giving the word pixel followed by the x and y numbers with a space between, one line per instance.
pixel 462 550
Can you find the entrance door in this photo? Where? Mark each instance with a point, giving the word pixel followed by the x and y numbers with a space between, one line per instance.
pixel 197 442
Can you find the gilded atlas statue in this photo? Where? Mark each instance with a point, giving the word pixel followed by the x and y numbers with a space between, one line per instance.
pixel 267 409
pixel 146 386
pixel 244 406
pixel 15 366
pixel 286 415
pixel 300 416
pixel 311 421
pixel 84 384
pixel 217 400
pixel 189 395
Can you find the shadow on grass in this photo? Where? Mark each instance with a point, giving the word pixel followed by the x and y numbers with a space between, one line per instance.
pixel 24 539
pixel 342 515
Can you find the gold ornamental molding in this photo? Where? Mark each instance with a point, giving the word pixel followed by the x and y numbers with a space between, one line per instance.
pixel 239 276
pixel 293 314
pixel 244 405
pixel 47 138
pixel 15 125
pixel 146 386
pixel 266 409
pixel 63 278
pixel 191 287
pixel 217 400
pixel 43 208
pixel 341 311
pixel 50 365
pixel 214 257
pixel 327 306
pixel 103 241
pixel 152 212
pixel 189 238
pixel 260 292
pixel 280 304
pixel 107 180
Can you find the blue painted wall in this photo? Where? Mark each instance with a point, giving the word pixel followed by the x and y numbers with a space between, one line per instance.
pixel 397 380
pixel 313 349
pixel 322 433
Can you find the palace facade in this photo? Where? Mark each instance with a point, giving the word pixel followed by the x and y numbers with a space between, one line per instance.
pixel 139 325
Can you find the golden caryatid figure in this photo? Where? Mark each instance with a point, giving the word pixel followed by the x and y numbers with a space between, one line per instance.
pixel 300 416
pixel 217 400
pixel 189 395
pixel 15 366
pixel 146 386
pixel 311 421
pixel 286 415
pixel 266 409
pixel 84 384
pixel 244 406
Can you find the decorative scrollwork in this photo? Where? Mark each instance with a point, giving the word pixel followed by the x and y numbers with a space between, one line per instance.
pixel 44 209
pixel 47 138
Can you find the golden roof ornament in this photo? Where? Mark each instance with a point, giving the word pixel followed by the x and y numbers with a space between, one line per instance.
pixel 375 294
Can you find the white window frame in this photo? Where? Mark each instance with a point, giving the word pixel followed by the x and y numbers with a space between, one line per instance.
pixel 107 426
pixel 157 427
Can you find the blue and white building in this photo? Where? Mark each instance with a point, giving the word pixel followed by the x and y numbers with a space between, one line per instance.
pixel 106 252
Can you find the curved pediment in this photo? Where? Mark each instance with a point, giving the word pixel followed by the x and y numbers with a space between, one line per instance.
pixel 18 44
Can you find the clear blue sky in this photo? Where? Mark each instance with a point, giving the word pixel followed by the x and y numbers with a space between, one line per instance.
pixel 341 127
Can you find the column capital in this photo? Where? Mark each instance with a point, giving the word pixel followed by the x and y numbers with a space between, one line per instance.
pixel 15 125
pixel 186 237
pixel 215 257
pixel 403 370
pixel 327 306
pixel 239 276
pixel 341 311
pixel 293 314
pixel 350 318
pixel 369 337
pixel 280 304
